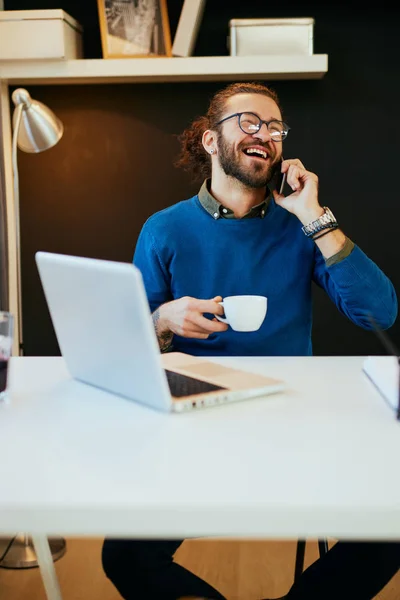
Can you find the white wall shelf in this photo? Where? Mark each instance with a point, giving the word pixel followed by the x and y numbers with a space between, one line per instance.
pixel 152 70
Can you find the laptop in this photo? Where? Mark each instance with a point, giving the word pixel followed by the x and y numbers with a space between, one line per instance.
pixel 103 324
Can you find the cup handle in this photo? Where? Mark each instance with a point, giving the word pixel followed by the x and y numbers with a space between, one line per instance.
pixel 221 318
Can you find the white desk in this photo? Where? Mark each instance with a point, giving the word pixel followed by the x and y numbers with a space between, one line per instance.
pixel 318 460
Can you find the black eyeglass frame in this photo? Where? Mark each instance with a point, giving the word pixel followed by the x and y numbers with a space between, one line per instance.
pixel 261 123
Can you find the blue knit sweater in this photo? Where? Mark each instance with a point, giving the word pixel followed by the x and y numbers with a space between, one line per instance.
pixel 183 251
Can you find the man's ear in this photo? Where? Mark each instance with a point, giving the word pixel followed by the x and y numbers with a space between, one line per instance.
pixel 209 141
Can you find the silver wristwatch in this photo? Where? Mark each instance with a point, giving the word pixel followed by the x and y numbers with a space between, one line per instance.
pixel 325 221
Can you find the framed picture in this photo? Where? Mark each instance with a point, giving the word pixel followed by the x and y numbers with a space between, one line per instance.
pixel 134 28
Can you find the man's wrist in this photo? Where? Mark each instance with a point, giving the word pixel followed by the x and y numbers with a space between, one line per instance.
pixel 163 332
pixel 310 215
pixel 326 221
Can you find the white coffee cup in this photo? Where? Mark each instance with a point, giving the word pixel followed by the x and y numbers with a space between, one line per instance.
pixel 244 313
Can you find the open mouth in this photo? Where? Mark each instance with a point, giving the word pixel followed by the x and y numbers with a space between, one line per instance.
pixel 255 152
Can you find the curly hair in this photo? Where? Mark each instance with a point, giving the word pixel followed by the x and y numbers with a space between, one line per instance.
pixel 193 156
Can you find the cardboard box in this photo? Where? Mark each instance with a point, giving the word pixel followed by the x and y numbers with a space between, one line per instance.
pixel 271 36
pixel 39 34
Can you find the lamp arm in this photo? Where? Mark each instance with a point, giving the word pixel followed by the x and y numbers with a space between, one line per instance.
pixel 18 116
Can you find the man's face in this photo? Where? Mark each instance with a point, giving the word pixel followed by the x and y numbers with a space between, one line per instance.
pixel 237 151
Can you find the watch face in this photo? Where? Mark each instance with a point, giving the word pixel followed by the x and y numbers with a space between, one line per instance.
pixel 329 214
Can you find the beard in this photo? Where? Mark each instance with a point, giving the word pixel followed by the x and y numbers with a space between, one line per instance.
pixel 254 176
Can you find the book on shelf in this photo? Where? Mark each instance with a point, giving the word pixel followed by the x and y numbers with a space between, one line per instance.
pixel 188 27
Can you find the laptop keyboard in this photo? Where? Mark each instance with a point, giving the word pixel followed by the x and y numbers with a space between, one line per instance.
pixel 182 385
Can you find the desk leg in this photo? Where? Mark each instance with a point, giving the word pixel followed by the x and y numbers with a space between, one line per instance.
pixel 46 566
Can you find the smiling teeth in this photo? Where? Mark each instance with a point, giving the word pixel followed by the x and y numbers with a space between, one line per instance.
pixel 255 151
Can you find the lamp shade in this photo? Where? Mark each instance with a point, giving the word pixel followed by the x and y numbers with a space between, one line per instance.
pixel 39 128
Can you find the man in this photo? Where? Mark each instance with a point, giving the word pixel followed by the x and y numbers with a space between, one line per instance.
pixel 235 237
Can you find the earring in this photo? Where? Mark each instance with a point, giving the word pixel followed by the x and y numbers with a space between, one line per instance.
pixel 212 151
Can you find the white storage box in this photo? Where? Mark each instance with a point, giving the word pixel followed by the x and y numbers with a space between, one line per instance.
pixel 271 36
pixel 39 34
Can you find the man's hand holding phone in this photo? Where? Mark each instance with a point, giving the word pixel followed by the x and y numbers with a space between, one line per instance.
pixel 303 201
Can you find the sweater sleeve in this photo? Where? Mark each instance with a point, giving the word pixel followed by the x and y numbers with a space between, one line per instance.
pixel 154 272
pixel 358 288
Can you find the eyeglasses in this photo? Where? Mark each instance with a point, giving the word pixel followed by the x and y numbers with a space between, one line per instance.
pixel 251 124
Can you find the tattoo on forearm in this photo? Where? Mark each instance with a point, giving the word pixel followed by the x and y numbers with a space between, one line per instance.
pixel 164 337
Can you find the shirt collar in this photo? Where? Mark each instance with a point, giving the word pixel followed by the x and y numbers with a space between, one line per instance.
pixel 218 211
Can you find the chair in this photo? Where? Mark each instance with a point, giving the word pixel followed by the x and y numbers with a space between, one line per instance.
pixel 300 552
pixel 299 562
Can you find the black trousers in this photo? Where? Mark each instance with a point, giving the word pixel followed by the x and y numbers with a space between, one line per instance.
pixel 144 570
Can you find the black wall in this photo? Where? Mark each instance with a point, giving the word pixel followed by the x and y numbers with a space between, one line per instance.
pixel 91 193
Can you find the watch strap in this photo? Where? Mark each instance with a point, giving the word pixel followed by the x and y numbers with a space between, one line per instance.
pixel 325 221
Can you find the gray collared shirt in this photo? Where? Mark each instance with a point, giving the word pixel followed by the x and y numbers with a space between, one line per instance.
pixel 218 211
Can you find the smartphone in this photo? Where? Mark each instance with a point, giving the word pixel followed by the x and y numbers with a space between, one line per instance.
pixel 278 179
